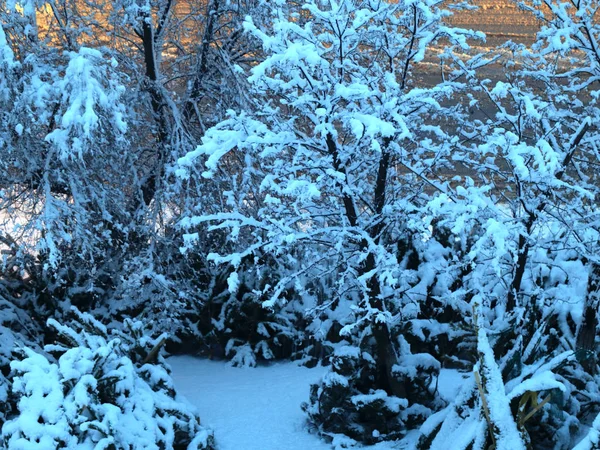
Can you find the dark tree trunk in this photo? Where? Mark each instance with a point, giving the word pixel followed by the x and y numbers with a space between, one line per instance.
pixel 386 352
pixel 202 70
pixel 386 356
pixel 586 334
pixel 349 207
pixel 149 183
pixel 522 257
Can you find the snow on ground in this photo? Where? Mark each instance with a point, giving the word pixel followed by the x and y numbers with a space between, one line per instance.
pixel 259 408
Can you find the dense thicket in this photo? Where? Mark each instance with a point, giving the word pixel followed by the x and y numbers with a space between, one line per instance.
pixel 279 180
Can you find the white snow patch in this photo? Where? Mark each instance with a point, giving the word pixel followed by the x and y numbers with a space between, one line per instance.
pixel 252 408
pixel 450 382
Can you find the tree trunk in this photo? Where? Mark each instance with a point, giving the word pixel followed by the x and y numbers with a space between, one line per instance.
pixel 385 357
pixel 212 9
pixel 149 184
pixel 586 334
pixel 386 352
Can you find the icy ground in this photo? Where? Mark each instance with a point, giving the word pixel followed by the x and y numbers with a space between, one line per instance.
pixel 259 408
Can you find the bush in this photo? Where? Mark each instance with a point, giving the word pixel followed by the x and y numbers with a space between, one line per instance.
pixel 99 389
pixel 345 405
pixel 16 327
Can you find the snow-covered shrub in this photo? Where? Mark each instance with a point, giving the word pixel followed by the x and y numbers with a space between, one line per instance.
pixel 226 316
pixel 228 320
pixel 153 287
pixel 346 404
pixel 532 409
pixel 241 328
pixel 424 334
pixel 530 388
pixel 105 389
pixel 591 441
pixel 16 330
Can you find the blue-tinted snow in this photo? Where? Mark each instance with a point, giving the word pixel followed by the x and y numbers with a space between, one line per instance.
pixel 259 408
